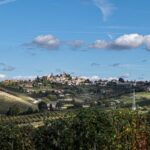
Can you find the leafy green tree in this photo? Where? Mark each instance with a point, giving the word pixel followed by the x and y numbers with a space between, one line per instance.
pixel 121 80
pixel 51 107
pixel 29 110
pixel 42 106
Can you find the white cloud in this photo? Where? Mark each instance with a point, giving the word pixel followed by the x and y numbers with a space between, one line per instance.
pixel 99 44
pixel 127 41
pixel 91 78
pixel 147 42
pixel 46 41
pixel 50 42
pixel 2 2
pixel 24 77
pixel 2 76
pixel 94 78
pixel 105 7
pixel 123 42
pixel 110 78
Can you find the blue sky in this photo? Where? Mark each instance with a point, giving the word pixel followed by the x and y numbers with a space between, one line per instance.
pixel 105 38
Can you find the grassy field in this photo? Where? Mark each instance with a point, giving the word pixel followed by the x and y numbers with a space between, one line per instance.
pixel 143 95
pixel 8 100
pixel 142 99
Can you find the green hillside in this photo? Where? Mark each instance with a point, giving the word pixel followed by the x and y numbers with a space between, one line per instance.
pixel 9 100
pixel 142 99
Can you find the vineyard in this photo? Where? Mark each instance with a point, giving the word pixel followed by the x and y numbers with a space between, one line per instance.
pixel 36 119
pixel 85 129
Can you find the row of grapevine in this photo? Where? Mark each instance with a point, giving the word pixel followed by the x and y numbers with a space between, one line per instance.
pixel 87 129
pixel 29 119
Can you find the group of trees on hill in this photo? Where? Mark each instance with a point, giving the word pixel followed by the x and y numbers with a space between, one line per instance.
pixel 15 109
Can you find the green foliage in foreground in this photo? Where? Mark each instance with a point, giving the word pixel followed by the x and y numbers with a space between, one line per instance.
pixel 16 138
pixel 89 129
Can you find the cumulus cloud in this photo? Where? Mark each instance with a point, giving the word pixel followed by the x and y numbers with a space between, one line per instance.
pixel 6 67
pixel 50 42
pixel 147 41
pixel 123 42
pixel 2 2
pixel 46 41
pixel 99 44
pixel 127 41
pixel 91 78
pixel 105 7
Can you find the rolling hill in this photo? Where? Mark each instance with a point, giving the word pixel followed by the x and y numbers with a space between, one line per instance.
pixel 9 100
pixel 142 99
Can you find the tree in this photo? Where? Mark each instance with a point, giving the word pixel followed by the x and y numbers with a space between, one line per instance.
pixel 42 106
pixel 51 107
pixel 29 110
pixel 121 80
pixel 59 104
pixel 37 79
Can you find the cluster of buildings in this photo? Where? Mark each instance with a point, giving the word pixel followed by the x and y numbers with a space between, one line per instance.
pixel 70 80
pixel 66 79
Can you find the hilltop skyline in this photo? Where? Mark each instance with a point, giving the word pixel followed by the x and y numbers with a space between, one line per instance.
pixel 104 38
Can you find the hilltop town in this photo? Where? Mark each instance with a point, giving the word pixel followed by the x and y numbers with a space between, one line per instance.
pixel 67 79
pixel 64 91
